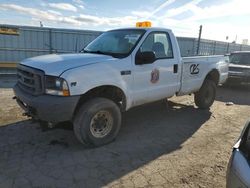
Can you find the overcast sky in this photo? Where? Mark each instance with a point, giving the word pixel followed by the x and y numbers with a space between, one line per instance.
pixel 220 18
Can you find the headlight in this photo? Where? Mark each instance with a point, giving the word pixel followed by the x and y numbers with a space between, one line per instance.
pixel 56 86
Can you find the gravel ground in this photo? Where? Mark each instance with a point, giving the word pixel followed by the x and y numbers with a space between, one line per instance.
pixel 174 145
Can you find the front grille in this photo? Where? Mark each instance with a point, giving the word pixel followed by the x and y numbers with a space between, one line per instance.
pixel 30 80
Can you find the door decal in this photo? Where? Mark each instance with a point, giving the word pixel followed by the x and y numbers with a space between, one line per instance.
pixel 155 75
pixel 194 69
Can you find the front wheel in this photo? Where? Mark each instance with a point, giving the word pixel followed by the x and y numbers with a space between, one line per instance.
pixel 97 122
pixel 205 97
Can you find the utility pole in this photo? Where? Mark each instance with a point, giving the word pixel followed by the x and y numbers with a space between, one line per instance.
pixel 50 41
pixel 227 37
pixel 199 41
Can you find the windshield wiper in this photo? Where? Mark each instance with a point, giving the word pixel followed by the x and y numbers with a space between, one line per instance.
pixel 104 53
pixel 115 55
pixel 94 52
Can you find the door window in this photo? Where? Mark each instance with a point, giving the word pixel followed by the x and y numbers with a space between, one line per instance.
pixel 159 43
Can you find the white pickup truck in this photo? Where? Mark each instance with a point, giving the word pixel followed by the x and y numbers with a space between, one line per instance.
pixel 119 70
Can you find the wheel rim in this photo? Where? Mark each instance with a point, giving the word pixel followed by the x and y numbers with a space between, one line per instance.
pixel 101 124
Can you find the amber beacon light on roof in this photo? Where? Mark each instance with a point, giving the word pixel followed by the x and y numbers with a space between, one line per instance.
pixel 143 24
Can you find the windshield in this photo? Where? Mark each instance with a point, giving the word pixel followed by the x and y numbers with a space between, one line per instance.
pixel 240 58
pixel 118 43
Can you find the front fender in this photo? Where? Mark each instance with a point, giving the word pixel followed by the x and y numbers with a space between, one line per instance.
pixel 83 79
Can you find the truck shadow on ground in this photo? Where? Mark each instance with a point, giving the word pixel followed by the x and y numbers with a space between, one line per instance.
pixel 237 94
pixel 31 157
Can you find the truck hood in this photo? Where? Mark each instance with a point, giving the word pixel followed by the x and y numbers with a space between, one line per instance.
pixel 56 64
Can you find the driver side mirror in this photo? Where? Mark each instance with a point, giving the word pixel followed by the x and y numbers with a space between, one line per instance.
pixel 144 57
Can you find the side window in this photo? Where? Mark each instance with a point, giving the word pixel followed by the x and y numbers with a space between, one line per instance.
pixel 159 43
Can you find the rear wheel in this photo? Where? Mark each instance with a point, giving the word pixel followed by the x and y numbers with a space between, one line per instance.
pixel 205 97
pixel 97 122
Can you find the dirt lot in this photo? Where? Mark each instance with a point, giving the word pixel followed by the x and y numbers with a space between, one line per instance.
pixel 178 146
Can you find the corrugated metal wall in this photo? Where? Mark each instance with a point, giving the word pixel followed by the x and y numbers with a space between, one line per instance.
pixel 34 41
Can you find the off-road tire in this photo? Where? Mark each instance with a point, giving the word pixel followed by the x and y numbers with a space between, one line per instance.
pixel 84 116
pixel 205 97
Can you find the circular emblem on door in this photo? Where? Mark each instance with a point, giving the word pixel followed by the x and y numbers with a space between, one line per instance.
pixel 155 75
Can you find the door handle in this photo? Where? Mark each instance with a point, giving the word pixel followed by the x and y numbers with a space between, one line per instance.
pixel 175 69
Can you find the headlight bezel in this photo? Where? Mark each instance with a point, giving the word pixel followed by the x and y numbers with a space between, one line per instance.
pixel 56 86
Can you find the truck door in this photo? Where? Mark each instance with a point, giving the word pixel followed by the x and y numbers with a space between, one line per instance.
pixel 159 78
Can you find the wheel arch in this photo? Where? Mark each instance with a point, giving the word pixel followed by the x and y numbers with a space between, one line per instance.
pixel 213 75
pixel 111 92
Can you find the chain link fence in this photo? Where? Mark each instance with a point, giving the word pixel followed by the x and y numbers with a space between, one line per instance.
pixel 188 47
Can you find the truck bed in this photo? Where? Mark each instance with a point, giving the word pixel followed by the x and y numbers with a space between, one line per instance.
pixel 195 69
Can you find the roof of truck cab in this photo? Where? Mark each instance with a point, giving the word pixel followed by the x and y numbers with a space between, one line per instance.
pixel 145 28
